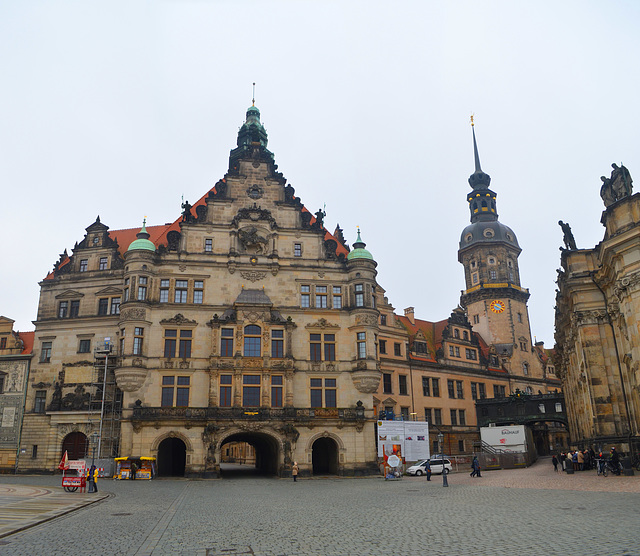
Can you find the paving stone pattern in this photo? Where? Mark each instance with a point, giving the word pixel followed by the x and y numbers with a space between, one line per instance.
pixel 525 511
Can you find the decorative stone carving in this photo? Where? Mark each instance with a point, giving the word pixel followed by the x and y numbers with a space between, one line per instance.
pixel 253 276
pixel 322 323
pixel 370 320
pixel 255 192
pixel 179 320
pixel 130 379
pixel 252 241
pixel 133 314
pixel 366 381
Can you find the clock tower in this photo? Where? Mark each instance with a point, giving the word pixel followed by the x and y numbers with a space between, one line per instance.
pixel 494 299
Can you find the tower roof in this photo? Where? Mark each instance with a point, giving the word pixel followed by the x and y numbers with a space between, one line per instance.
pixel 359 251
pixel 142 243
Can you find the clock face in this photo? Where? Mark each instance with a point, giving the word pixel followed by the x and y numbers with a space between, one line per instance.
pixel 497 306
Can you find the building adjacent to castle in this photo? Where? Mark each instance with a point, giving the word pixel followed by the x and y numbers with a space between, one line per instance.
pixel 244 320
pixel 598 325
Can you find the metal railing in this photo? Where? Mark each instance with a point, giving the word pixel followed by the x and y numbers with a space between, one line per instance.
pixel 247 413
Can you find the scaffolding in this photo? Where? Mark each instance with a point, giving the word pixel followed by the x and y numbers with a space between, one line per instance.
pixel 105 402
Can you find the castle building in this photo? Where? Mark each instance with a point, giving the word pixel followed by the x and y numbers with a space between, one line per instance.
pixel 15 358
pixel 243 321
pixel 597 324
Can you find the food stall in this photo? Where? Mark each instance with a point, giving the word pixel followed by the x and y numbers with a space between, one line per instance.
pixel 74 475
pixel 146 467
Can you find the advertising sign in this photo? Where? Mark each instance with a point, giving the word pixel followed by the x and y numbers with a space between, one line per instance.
pixel 510 439
pixel 408 439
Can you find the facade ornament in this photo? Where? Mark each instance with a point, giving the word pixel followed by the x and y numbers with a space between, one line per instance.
pixel 618 186
pixel 179 320
pixel 252 241
pixel 322 323
pixel 133 314
pixel 253 276
pixel 569 240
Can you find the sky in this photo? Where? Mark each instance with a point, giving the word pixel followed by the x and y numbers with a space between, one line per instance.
pixel 120 109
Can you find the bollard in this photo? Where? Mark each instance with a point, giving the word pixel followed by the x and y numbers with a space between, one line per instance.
pixel 445 482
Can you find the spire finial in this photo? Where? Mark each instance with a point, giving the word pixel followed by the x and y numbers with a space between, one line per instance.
pixel 253 100
pixel 475 148
pixel 472 124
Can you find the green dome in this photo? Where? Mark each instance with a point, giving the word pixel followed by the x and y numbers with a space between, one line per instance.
pixel 142 243
pixel 359 251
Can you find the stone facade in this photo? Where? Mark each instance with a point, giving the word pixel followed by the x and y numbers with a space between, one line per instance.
pixel 244 320
pixel 597 327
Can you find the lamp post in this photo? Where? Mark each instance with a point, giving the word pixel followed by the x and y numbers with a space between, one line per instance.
pixel 94 443
pixel 445 483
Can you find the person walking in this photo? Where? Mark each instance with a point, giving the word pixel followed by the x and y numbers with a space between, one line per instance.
pixel 294 471
pixel 475 465
pixel 92 479
pixel 554 460
pixel 427 468
pixel 134 468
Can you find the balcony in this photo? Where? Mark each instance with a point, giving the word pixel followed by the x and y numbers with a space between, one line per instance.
pixel 246 413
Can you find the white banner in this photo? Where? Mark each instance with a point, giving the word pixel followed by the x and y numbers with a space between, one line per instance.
pixel 408 439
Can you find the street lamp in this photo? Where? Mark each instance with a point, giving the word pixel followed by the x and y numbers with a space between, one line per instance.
pixel 94 443
pixel 445 483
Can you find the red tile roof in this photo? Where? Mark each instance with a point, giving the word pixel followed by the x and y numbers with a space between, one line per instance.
pixel 27 340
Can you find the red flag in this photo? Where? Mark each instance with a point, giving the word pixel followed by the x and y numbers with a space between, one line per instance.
pixel 64 462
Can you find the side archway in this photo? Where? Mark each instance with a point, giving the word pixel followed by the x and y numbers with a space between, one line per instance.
pixel 325 454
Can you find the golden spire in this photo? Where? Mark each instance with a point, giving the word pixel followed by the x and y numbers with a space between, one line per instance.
pixel 253 100
pixel 471 120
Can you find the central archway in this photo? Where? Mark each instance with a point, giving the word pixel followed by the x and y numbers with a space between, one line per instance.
pixel 172 457
pixel 324 455
pixel 265 460
pixel 76 445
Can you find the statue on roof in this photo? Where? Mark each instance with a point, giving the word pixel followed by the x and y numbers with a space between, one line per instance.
pixel 618 186
pixel 569 240
pixel 186 212
pixel 319 223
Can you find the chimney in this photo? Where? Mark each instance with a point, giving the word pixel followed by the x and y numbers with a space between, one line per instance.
pixel 408 312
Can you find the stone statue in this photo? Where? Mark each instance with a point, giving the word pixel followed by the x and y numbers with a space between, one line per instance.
pixel 186 212
pixel 569 240
pixel 606 192
pixel 320 218
pixel 618 186
pixel 289 191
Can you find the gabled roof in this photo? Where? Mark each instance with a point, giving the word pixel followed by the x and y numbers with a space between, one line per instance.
pixel 27 340
pixel 158 234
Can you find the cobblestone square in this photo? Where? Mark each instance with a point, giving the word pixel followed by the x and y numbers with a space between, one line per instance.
pixel 523 511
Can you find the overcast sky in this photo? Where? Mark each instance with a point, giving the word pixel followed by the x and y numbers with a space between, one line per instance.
pixel 118 109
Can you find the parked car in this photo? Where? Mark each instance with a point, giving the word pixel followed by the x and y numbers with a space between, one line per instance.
pixel 419 468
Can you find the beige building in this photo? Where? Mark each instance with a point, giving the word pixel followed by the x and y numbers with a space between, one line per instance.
pixel 15 358
pixel 597 325
pixel 244 320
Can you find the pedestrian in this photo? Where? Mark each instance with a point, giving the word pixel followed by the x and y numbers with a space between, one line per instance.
pixel 580 457
pixel 475 465
pixel 134 468
pixel 427 468
pixel 554 460
pixel 92 479
pixel 563 457
pixel 294 471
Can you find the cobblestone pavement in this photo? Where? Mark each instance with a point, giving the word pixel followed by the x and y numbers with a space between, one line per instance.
pixel 523 511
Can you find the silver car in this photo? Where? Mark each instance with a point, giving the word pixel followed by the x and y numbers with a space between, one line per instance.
pixel 419 468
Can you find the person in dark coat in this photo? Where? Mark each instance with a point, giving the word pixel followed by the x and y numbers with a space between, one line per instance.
pixel 475 465
pixel 427 468
pixel 554 460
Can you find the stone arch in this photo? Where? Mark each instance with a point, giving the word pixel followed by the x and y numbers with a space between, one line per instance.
pixel 326 434
pixel 335 461
pixel 271 447
pixel 171 434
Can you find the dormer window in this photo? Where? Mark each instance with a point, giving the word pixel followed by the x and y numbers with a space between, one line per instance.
pixel 84 265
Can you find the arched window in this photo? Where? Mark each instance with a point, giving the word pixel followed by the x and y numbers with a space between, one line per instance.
pixel 465 335
pixel 456 333
pixel 252 339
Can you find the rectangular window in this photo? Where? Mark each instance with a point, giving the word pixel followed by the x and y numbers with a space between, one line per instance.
pixel 251 391
pixel 170 340
pixel 316 392
pixel 103 306
pixel 226 342
pixel 471 354
pixel 84 346
pixel 63 309
pixel 461 445
pixel 462 419
pixel 499 391
pixel 277 344
pixel 457 351
pixel 126 294
pixel 185 344
pixel 383 347
pixel 383 320
pixel 3 343
pixel 359 289
pixel 181 291
pixel 182 391
pixel 315 385
pixel 138 334
pixel 337 297
pixel 519 317
pixel 437 416
pixel 492 274
pixel 321 297
pixel 454 416
pixel 435 386
pixel 45 352
pixel 402 385
pixel 103 263
pixel 329 347
pixel 362 345
pixel 474 278
pixel 305 296
pixel 122 336
pixel 164 291
pixel 115 306
pixel 34 451
pixel 397 350
pixel 404 412
pixel 142 288
pixel 474 390
pixel 208 245
pixel 476 319
pixel 420 348
pixel 297 249
pixel 74 310
pixel 482 391
pixel 427 414
pixel 277 382
pixel 426 390
pixel 451 388
pixel 459 390
pixel 40 402
pixel 84 265
pixel 315 347
pixel 167 391
pixel 198 291
pixel 386 383
pixel 330 392
pixel 225 390
pixel 450 351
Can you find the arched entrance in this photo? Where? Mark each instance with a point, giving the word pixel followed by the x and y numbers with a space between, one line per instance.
pixel 264 460
pixel 172 457
pixel 76 444
pixel 324 455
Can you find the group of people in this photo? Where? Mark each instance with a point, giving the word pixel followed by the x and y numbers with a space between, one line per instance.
pixel 583 460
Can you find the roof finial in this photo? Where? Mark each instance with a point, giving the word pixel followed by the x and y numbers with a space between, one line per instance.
pixel 253 100
pixel 472 120
pixel 475 148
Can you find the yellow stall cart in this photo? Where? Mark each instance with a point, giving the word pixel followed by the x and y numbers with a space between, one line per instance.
pixel 145 467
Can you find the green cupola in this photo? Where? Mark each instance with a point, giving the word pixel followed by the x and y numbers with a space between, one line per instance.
pixel 359 251
pixel 142 243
